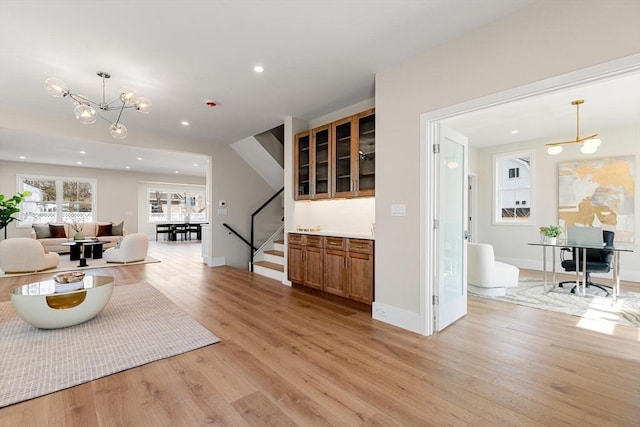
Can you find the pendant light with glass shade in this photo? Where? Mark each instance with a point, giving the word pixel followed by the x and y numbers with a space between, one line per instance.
pixel 85 109
pixel 590 143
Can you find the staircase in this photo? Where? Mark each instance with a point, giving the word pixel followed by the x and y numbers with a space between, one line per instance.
pixel 271 263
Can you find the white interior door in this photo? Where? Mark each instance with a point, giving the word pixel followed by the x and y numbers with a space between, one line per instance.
pixel 452 216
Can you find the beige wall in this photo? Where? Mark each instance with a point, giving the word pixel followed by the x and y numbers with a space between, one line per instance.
pixel 535 43
pixel 117 198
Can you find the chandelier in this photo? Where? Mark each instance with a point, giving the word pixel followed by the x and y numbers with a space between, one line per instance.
pixel 590 143
pixel 85 109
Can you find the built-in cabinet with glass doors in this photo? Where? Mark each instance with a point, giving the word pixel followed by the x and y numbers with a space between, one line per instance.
pixel 336 160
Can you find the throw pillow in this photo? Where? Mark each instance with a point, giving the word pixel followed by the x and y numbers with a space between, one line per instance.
pixel 57 231
pixel 117 229
pixel 104 230
pixel 42 231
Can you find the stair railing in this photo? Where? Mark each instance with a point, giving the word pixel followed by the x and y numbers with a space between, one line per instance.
pixel 253 216
pixel 231 230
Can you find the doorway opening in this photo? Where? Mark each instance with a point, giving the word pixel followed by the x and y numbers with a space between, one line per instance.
pixel 432 255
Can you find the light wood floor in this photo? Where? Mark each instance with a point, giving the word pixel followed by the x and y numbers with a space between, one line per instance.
pixel 288 358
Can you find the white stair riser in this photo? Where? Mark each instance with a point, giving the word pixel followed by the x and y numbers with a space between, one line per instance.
pixel 278 246
pixel 267 272
pixel 274 259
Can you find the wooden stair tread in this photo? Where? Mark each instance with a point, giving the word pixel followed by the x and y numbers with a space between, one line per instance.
pixel 275 252
pixel 281 242
pixel 270 265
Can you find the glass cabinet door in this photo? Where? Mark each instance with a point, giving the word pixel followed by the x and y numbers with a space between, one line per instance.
pixel 303 166
pixel 321 170
pixel 366 155
pixel 343 157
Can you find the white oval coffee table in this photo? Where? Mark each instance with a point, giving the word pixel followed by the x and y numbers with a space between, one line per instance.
pixel 40 305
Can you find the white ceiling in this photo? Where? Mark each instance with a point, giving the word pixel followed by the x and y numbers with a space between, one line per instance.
pixel 319 56
pixel 608 104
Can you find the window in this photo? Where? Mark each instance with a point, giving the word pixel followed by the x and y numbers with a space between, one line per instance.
pixel 170 205
pixel 513 180
pixel 57 200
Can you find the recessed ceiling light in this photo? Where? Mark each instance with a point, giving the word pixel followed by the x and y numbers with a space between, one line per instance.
pixel 177 171
pixel 127 167
pixel 139 158
pixel 78 163
pixel 83 152
pixel 258 68
pixel 22 157
pixel 195 164
pixel 515 131
pixel 184 123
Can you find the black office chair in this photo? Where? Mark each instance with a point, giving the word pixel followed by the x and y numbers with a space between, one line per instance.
pixel 598 261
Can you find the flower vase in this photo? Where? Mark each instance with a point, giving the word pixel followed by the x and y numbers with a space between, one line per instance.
pixel 78 236
pixel 551 240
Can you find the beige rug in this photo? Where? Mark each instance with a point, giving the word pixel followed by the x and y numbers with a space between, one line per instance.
pixel 66 265
pixel 594 306
pixel 139 325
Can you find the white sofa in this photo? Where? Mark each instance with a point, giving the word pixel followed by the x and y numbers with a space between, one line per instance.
pixel 90 230
pixel 485 275
pixel 24 255
pixel 132 248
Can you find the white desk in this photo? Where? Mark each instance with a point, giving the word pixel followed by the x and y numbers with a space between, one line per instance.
pixel 581 285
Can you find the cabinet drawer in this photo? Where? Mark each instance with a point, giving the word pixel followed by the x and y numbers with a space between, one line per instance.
pixel 295 239
pixel 314 241
pixel 360 246
pixel 337 243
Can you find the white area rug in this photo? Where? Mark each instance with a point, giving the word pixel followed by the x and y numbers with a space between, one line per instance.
pixel 66 265
pixel 139 325
pixel 594 306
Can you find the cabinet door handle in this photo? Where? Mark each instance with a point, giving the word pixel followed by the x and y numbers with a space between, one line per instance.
pixel 344 263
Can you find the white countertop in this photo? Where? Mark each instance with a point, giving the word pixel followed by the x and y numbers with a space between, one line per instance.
pixel 335 234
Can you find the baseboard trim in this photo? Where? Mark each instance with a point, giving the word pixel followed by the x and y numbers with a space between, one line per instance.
pixel 216 261
pixel 398 317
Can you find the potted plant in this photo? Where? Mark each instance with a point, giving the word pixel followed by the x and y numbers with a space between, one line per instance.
pixel 9 207
pixel 551 233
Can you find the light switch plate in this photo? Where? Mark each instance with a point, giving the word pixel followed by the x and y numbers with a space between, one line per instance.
pixel 398 210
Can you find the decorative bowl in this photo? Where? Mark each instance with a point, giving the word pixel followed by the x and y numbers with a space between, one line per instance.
pixel 74 276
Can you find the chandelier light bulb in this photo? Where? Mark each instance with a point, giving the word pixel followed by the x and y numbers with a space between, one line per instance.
pixel 588 149
pixel 128 95
pixel 118 131
pixel 144 105
pixel 56 87
pixel 85 114
pixel 555 149
pixel 595 142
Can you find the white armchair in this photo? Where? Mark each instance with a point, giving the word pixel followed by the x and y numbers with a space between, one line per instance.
pixel 132 248
pixel 25 255
pixel 485 275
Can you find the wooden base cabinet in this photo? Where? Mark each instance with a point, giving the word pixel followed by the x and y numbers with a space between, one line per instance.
pixel 305 260
pixel 335 265
pixel 336 272
pixel 360 268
